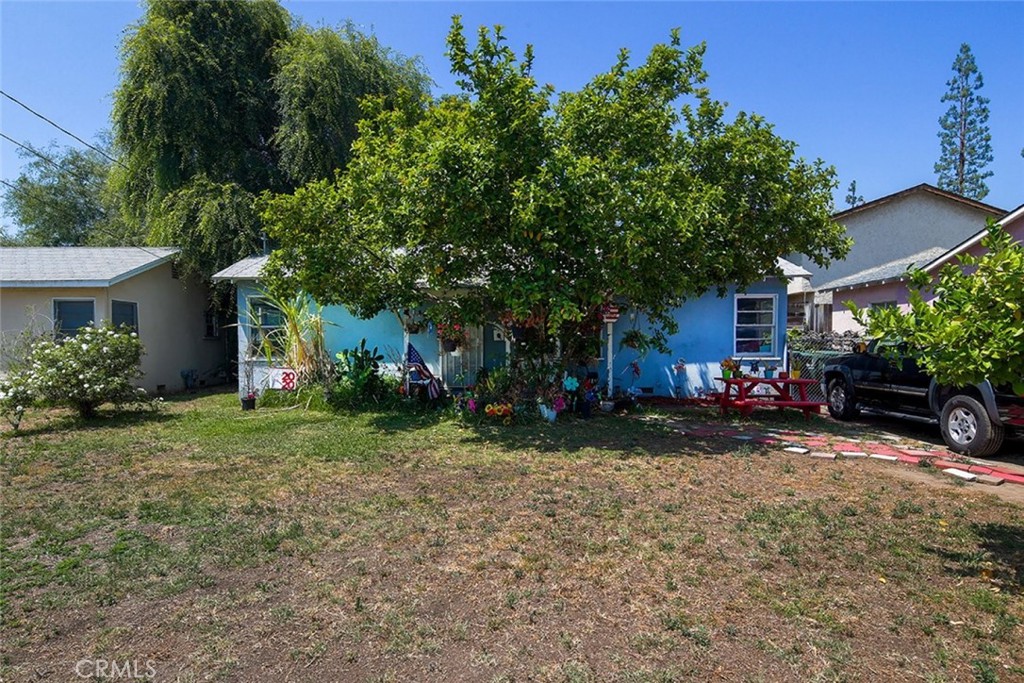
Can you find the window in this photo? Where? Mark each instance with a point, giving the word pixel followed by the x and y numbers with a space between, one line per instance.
pixel 754 331
pixel 265 323
pixel 211 324
pixel 71 315
pixel 124 313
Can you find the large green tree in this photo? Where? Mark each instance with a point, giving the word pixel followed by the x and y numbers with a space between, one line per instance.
pixel 503 200
pixel 61 199
pixel 966 145
pixel 972 329
pixel 220 101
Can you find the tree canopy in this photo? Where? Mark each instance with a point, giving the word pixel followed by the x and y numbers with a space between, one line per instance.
pixel 966 145
pixel 220 101
pixel 505 201
pixel 974 328
pixel 61 199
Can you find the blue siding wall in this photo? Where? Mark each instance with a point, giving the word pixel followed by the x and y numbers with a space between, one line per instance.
pixel 343 331
pixel 705 337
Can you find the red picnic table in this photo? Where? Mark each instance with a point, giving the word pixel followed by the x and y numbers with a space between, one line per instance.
pixel 739 394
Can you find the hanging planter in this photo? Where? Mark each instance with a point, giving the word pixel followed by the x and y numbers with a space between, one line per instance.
pixel 450 345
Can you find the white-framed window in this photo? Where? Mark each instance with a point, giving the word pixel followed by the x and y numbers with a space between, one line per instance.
pixel 265 324
pixel 71 315
pixel 754 329
pixel 124 313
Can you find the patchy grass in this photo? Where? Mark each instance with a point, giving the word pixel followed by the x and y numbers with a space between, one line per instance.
pixel 293 545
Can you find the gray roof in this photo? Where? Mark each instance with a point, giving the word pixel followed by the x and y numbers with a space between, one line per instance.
pixel 77 266
pixel 887 271
pixel 792 270
pixel 246 269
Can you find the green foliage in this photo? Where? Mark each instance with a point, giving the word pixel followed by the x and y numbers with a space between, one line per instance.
pixel 322 74
pixel 852 198
pixel 974 329
pixel 64 202
pixel 966 145
pixel 16 396
pixel 360 381
pixel 299 342
pixel 500 201
pixel 220 101
pixel 96 366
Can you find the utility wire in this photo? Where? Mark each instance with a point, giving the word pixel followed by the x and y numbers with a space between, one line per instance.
pixel 60 128
pixel 50 161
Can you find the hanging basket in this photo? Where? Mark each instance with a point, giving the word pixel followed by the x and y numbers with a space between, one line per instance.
pixel 449 345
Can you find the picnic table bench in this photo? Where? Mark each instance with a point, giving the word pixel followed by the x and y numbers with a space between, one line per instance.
pixel 739 394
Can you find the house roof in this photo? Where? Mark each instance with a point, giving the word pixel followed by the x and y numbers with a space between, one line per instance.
pixel 972 240
pixel 77 266
pixel 249 269
pixel 923 187
pixel 792 270
pixel 893 270
pixel 246 269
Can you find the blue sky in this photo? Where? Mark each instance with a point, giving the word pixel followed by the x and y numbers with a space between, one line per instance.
pixel 855 84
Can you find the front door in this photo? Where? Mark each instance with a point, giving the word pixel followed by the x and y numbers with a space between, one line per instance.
pixel 459 369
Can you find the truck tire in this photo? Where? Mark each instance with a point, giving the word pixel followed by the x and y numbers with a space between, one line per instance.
pixel 841 402
pixel 968 429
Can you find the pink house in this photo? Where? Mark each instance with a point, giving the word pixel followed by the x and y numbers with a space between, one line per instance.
pixel 885 285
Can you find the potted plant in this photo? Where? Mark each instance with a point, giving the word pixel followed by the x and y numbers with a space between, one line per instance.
pixel 412 321
pixel 729 366
pixel 769 370
pixel 796 369
pixel 634 339
pixel 766 342
pixel 248 397
pixel 452 336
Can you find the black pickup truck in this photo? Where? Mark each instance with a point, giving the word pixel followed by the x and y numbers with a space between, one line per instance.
pixel 974 419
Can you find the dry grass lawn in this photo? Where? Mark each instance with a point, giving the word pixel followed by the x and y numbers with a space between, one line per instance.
pixel 301 546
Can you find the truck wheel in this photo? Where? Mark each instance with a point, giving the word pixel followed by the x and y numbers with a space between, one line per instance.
pixel 841 403
pixel 967 428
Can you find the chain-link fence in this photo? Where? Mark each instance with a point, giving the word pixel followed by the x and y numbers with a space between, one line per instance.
pixel 809 353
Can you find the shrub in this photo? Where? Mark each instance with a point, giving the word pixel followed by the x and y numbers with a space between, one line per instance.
pixel 360 381
pixel 96 366
pixel 16 395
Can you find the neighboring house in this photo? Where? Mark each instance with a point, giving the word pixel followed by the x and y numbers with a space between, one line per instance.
pixel 886 285
pixel 67 288
pixel 895 229
pixel 747 325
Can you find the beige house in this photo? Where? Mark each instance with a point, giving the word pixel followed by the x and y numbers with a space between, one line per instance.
pixel 66 288
pixel 888 232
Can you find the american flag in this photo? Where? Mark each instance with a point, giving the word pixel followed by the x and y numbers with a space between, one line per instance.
pixel 415 362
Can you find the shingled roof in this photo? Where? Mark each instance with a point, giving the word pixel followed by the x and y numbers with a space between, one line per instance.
pixel 77 266
pixel 893 270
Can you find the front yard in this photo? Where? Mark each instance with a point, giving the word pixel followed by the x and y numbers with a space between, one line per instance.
pixel 303 546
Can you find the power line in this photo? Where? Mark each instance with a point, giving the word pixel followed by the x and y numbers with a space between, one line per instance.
pixel 50 161
pixel 60 128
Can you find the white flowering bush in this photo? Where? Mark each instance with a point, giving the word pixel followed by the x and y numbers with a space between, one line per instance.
pixel 96 366
pixel 16 395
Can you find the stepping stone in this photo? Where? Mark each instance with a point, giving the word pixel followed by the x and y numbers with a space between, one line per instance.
pixel 853 454
pixel 823 455
pixel 799 450
pixel 990 480
pixel 883 456
pixel 845 446
pixel 960 474
pixel 918 452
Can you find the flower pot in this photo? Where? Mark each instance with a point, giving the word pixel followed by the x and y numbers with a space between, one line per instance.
pixel 449 345
pixel 248 403
pixel 583 408
pixel 795 374
pixel 607 406
pixel 769 374
pixel 726 374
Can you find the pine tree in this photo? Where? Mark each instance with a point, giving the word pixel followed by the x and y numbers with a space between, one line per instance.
pixel 852 198
pixel 965 141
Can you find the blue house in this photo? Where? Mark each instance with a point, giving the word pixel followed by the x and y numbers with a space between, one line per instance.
pixel 749 326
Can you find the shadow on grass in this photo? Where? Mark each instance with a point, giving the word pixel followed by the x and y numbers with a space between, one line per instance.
pixel 68 421
pixel 1000 544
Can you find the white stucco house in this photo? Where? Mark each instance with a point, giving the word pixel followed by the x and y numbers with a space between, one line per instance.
pixel 67 288
pixel 888 233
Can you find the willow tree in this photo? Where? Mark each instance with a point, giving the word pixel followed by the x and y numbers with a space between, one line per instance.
pixel 221 101
pixel 505 200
